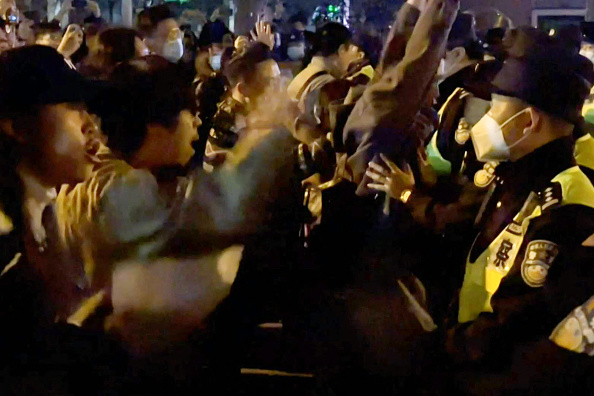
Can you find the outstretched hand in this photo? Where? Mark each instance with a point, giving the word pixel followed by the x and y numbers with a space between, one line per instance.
pixel 264 34
pixel 389 178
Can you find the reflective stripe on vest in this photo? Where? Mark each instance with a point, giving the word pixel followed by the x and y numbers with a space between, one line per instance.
pixel 442 166
pixel 584 151
pixel 483 277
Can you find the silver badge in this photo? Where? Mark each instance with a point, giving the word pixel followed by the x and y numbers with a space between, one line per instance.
pixel 538 259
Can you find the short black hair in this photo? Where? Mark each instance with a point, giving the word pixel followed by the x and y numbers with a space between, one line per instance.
pixel 144 91
pixel 47 27
pixel 242 68
pixel 148 19
pixel 329 38
pixel 299 17
pixel 119 44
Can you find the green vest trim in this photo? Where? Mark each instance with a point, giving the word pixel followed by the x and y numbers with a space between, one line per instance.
pixel 442 166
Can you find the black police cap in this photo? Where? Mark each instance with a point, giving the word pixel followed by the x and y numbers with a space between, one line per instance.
pixel 542 71
pixel 39 75
pixel 588 32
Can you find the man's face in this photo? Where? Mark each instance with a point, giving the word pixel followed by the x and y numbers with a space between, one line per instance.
pixel 348 53
pixel 502 110
pixel 186 133
pixel 62 151
pixel 267 78
pixel 164 31
pixel 587 50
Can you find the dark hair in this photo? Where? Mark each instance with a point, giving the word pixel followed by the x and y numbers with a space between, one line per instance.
pixel 299 17
pixel 329 38
pixel 119 44
pixel 213 33
pixel 143 91
pixel 47 27
pixel 148 19
pixel 11 188
pixel 242 68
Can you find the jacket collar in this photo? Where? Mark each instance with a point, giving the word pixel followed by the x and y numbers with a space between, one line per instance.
pixel 537 169
pixel 36 198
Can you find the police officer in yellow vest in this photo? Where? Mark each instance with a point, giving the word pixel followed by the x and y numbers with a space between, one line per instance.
pixel 537 220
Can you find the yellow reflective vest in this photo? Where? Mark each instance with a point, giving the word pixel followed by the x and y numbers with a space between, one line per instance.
pixel 484 276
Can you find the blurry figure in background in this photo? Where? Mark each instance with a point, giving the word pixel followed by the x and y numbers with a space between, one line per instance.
pixel 212 39
pixel 333 52
pixel 25 31
pixel 250 75
pixel 113 46
pixel 221 14
pixel 190 45
pixel 10 17
pixel 295 42
pixel 161 32
pixel 195 19
pixel 210 84
pixel 76 11
pixel 488 18
pixel 463 54
pixel 67 44
pixel 48 34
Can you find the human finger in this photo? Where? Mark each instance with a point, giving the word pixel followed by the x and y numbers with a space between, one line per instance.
pixel 376 176
pixel 377 187
pixel 379 169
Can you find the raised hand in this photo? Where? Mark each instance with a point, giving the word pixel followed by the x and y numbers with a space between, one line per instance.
pixel 264 34
pixel 71 42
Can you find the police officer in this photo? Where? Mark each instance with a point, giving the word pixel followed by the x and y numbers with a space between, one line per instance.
pixel 535 223
pixel 539 212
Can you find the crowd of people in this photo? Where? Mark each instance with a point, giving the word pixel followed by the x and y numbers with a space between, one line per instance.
pixel 184 213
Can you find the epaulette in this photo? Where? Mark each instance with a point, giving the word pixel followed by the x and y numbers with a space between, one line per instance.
pixel 551 196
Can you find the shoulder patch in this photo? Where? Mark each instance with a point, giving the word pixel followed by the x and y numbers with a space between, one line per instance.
pixel 538 258
pixel 576 331
pixel 551 196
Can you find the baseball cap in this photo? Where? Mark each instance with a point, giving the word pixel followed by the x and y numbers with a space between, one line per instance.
pixel 39 75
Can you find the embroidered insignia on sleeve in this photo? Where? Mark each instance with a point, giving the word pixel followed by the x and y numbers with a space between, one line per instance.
pixel 538 259
pixel 551 196
pixel 575 332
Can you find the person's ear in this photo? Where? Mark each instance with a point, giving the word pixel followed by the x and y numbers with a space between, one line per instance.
pixel 534 120
pixel 343 49
pixel 7 127
pixel 149 42
pixel 241 88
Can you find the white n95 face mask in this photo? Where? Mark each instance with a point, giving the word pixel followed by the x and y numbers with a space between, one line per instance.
pixel 173 50
pixel 488 140
pixel 296 52
pixel 215 62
